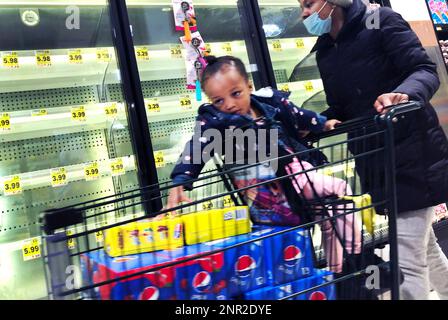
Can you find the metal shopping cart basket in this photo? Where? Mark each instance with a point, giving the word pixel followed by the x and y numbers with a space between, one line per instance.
pixel 340 249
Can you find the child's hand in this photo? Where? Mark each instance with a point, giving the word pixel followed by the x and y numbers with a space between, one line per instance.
pixel 329 124
pixel 176 196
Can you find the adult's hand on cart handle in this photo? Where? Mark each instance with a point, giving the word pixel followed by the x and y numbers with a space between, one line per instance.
pixel 389 99
pixel 330 124
pixel 176 195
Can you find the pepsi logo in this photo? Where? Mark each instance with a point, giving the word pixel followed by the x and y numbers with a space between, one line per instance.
pixel 202 282
pixel 149 293
pixel 318 295
pixel 244 266
pixel 292 255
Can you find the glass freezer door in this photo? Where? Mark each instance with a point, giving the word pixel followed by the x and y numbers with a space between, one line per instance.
pixel 64 135
pixel 171 107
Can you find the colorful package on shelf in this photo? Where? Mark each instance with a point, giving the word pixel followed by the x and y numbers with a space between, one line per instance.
pixel 144 236
pixel 216 224
pixel 290 256
pixel 194 51
pixel 183 13
pixel 319 277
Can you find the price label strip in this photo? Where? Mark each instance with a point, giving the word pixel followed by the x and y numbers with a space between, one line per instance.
pixel 228 202
pixel 71 241
pixel 43 58
pixel 300 44
pixel 91 171
pixel 117 167
pixel 277 46
pixel 78 113
pixel 207 205
pixel 176 51
pixel 227 48
pixel 159 159
pixel 111 110
pixel 39 113
pixel 10 60
pixel 5 121
pixel 142 53
pixel 185 103
pixel 75 56
pixel 153 105
pixel 309 86
pixel 12 186
pixel 31 249
pixel 103 55
pixel 58 177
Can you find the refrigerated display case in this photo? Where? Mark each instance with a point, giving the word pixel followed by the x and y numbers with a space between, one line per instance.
pixel 64 135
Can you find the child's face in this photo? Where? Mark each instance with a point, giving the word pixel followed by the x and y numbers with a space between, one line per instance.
pixel 229 91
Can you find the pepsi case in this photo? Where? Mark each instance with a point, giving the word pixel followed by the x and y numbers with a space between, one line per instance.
pixel 289 256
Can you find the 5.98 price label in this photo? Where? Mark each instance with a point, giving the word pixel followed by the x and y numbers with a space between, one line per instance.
pixel 91 171
pixel 12 186
pixel 58 177
pixel 10 60
pixel 43 58
pixel 31 249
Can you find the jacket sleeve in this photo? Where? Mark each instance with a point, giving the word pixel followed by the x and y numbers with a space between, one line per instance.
pixel 192 159
pixel 307 119
pixel 408 55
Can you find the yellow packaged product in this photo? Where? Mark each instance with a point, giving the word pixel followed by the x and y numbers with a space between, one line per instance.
pixel 144 236
pixel 216 224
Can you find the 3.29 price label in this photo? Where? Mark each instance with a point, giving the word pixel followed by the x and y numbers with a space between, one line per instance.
pixel 39 112
pixel 159 159
pixel 12 186
pixel 58 177
pixel 185 102
pixel 78 113
pixel 5 121
pixel 103 55
pixel 142 53
pixel 153 105
pixel 31 249
pixel 117 167
pixel 91 171
pixel 43 58
pixel 10 60
pixel 176 51
pixel 75 56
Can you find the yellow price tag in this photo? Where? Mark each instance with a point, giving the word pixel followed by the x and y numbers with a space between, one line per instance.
pixel 309 86
pixel 91 171
pixel 349 170
pixel 12 186
pixel 153 105
pixel 185 102
pixel 78 113
pixel 142 53
pixel 208 49
pixel 228 202
pixel 75 56
pixel 111 110
pixel 99 236
pixel 300 44
pixel 207 205
pixel 71 241
pixel 58 177
pixel 227 47
pixel 159 159
pixel 31 249
pixel 43 58
pixel 39 112
pixel 277 45
pixel 10 60
pixel 176 51
pixel 285 87
pixel 328 171
pixel 103 55
pixel 5 121
pixel 117 167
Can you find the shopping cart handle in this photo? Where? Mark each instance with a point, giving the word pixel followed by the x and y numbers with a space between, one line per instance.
pixel 402 108
pixel 53 219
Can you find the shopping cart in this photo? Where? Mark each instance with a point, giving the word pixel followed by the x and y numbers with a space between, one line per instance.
pixel 109 249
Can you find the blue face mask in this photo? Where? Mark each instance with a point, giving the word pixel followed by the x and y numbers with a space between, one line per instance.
pixel 315 25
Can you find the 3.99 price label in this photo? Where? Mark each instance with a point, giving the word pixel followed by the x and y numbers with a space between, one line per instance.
pixel 159 159
pixel 58 177
pixel 78 113
pixel 277 45
pixel 117 167
pixel 91 171
pixel 5 121
pixel 207 205
pixel 31 249
pixel 75 56
pixel 10 60
pixel 300 44
pixel 111 110
pixel 153 105
pixel 142 53
pixel 12 186
pixel 185 103
pixel 176 51
pixel 43 58
pixel 103 55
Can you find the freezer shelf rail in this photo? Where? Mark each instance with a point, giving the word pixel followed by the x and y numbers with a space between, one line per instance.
pixel 209 249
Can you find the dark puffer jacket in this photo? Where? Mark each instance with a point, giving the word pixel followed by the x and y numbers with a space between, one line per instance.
pixel 362 64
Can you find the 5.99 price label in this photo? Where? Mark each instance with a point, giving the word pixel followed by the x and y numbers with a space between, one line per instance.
pixel 91 171
pixel 31 249
pixel 12 186
pixel 58 177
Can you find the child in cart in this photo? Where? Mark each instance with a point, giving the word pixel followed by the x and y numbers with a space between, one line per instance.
pixel 234 105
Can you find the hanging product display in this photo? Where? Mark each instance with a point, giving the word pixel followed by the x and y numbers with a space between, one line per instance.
pixel 194 53
pixel 184 17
